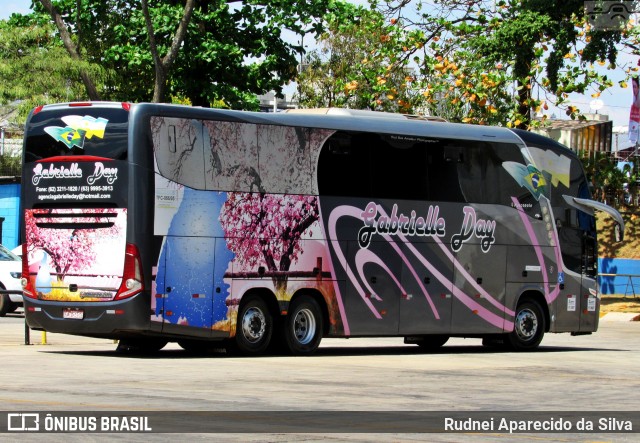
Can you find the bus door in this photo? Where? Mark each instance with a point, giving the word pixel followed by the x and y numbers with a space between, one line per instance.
pixel 479 289
pixel 188 294
pixel 577 237
pixel 425 307
pixel 574 248
pixel 590 313
pixel 373 294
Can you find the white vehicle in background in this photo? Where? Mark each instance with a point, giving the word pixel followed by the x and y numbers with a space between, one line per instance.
pixel 10 287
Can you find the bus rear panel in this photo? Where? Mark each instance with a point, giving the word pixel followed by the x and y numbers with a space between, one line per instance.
pixel 77 263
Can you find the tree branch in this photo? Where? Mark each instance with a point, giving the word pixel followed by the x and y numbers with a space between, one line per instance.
pixel 92 91
pixel 163 65
pixel 168 59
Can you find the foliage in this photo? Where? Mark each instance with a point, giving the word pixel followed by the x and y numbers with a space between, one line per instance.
pixel 35 68
pixel 608 179
pixel 489 62
pixel 229 53
pixel 10 165
pixel 359 65
pixel 267 228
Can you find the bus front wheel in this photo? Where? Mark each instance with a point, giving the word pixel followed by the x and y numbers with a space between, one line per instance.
pixel 254 326
pixel 303 326
pixel 528 328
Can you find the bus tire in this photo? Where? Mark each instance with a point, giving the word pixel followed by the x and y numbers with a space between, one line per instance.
pixel 529 327
pixel 427 342
pixel 254 326
pixel 199 346
pixel 6 305
pixel 141 345
pixel 303 326
pixel 433 342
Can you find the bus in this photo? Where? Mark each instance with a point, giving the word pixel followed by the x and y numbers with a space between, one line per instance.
pixel 156 223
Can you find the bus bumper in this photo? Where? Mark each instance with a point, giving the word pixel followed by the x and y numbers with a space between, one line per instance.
pixel 92 319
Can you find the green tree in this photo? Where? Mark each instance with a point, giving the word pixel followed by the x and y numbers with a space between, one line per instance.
pixel 34 66
pixel 489 61
pixel 359 64
pixel 195 50
pixel 607 179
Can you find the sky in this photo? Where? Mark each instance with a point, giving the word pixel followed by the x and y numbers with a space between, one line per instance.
pixel 11 6
pixel 616 100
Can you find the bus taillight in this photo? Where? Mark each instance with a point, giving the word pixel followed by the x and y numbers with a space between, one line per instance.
pixel 132 281
pixel 28 290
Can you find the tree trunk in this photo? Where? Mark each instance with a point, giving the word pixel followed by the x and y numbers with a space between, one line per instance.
pixel 92 91
pixel 163 65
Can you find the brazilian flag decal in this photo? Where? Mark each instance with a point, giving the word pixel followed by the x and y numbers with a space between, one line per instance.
pixel 77 130
pixel 528 177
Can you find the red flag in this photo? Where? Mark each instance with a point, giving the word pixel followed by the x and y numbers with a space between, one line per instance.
pixel 634 118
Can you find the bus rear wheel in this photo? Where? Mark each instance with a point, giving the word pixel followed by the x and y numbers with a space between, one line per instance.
pixel 529 327
pixel 254 326
pixel 303 326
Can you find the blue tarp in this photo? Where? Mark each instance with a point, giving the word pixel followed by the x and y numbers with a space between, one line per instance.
pixel 627 276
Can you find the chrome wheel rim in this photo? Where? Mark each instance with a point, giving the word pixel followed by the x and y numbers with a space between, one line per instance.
pixel 253 324
pixel 304 326
pixel 526 324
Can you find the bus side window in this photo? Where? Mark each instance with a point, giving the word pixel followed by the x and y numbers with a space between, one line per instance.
pixel 231 157
pixel 179 150
pixel 399 169
pixel 442 175
pixel 284 159
pixel 344 167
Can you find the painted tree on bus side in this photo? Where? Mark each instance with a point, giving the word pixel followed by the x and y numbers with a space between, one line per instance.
pixel 267 229
pixel 68 249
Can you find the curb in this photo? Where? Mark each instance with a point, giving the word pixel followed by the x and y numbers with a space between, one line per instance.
pixel 621 316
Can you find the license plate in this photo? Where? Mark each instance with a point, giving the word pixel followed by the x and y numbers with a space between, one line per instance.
pixel 75 314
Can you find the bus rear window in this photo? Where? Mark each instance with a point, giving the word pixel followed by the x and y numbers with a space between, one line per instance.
pixel 95 131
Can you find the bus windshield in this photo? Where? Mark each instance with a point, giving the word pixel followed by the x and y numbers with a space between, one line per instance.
pixel 75 201
pixel 59 132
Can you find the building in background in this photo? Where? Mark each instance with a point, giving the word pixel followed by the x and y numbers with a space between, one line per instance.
pixel 583 136
pixel 267 103
pixel 10 173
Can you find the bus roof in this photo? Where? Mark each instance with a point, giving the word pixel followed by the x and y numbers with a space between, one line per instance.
pixel 363 113
pixel 324 118
pixel 352 121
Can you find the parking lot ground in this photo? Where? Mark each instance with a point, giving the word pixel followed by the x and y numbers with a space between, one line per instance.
pixel 597 372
